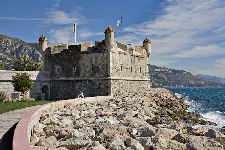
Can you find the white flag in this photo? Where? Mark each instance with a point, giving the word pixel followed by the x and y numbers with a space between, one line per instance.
pixel 119 22
pixel 74 29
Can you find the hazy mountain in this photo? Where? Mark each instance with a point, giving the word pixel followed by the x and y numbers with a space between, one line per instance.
pixel 211 78
pixel 12 48
pixel 162 76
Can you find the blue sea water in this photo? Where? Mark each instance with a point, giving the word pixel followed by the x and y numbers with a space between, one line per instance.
pixel 209 102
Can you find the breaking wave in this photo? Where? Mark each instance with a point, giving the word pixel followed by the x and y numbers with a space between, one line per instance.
pixel 208 102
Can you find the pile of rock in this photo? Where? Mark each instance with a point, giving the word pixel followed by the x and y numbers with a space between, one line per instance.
pixel 156 120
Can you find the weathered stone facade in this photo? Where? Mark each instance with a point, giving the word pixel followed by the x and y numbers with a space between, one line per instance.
pixel 107 68
pixel 67 89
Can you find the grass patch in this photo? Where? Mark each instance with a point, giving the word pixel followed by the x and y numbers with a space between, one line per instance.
pixel 10 106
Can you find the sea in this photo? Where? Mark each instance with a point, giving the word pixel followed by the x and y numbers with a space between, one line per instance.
pixel 208 102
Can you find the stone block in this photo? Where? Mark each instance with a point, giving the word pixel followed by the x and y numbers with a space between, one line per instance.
pixel 16 95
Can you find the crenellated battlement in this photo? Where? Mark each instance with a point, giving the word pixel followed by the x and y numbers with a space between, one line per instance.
pixel 95 69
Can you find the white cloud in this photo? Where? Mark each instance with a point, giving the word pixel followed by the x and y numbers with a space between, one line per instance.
pixel 185 25
pixel 63 35
pixel 218 68
pixel 201 51
pixel 64 20
pixel 86 33
pixel 220 63
pixel 60 17
pixel 54 16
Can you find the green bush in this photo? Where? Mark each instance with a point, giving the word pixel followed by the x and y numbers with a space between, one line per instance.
pixel 2 96
pixel 22 83
pixel 25 63
pixel 2 66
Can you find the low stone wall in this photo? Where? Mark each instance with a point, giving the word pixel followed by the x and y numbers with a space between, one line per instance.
pixel 39 79
pixel 23 131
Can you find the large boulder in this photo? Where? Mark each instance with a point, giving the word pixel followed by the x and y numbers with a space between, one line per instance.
pixel 50 142
pixel 73 143
pixel 134 144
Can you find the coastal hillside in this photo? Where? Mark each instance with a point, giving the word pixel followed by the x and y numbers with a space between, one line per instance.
pixel 211 78
pixel 165 77
pixel 13 48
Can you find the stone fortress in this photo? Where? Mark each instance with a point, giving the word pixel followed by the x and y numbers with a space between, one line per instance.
pixel 107 68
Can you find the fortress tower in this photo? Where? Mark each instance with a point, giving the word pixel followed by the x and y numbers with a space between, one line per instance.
pixel 106 68
pixel 147 46
pixel 43 43
pixel 109 38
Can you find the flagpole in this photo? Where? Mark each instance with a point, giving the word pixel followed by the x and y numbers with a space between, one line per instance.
pixel 75 32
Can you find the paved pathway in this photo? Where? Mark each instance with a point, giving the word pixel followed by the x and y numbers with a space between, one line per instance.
pixel 8 119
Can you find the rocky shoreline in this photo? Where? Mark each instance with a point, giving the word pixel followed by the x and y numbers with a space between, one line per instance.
pixel 156 119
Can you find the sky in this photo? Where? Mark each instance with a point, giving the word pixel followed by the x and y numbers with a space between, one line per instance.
pixel 185 34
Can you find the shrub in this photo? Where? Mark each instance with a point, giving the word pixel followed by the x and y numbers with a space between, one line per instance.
pixel 2 66
pixel 22 83
pixel 25 63
pixel 2 96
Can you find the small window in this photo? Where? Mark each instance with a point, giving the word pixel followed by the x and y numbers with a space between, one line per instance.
pixel 57 70
pixel 74 69
pixel 121 68
pixel 140 70
pixel 131 69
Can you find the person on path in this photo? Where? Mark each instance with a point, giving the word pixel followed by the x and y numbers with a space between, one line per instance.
pixel 81 95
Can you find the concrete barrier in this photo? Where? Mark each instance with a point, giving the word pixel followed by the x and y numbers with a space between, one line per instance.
pixel 24 128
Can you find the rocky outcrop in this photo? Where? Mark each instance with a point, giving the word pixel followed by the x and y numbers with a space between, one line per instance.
pixel 155 120
pixel 12 48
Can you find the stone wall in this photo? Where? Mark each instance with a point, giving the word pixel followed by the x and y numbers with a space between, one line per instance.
pixel 129 65
pixel 128 87
pixel 40 79
pixel 66 89
pixel 57 48
pixel 71 63
pixel 78 68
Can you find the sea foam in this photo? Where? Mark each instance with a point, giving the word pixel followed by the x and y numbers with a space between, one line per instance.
pixel 216 116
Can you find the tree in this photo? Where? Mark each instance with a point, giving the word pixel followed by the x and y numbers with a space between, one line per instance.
pixel 22 83
pixel 25 63
pixel 3 96
pixel 2 66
